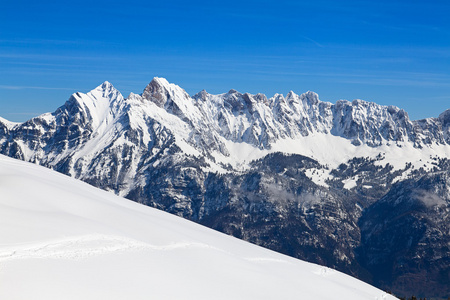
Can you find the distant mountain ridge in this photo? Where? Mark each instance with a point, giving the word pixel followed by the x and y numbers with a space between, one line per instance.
pixel 221 160
pixel 210 120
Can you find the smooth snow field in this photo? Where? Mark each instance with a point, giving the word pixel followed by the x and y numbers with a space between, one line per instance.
pixel 64 239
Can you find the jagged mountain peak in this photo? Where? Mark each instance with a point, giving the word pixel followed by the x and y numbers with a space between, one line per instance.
pixel 160 80
pixel 311 97
pixel 99 106
pixel 105 90
pixel 106 85
pixel 445 117
pixel 308 99
pixel 160 91
pixel 365 109
pixel 202 95
pixel 156 93
pixel 290 95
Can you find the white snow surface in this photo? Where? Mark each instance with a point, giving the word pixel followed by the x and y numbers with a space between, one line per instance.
pixel 64 239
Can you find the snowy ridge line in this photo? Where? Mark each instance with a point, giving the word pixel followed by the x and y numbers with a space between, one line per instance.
pixel 79 247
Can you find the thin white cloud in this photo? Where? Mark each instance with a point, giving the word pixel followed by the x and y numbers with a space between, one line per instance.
pixel 25 114
pixel 313 41
pixel 55 57
pixel 400 79
pixel 56 42
pixel 21 87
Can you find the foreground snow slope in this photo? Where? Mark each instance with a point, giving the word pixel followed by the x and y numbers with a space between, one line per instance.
pixel 63 239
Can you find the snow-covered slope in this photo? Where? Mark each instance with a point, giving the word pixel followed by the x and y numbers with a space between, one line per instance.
pixel 64 239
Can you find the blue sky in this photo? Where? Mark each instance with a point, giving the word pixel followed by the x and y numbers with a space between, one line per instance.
pixel 389 52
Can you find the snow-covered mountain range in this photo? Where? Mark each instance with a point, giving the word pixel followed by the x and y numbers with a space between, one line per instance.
pixel 291 173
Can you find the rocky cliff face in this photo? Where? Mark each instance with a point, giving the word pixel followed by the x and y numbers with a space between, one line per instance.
pixel 405 236
pixel 335 184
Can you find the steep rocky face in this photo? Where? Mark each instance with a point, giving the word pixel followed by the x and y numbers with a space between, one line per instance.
pixel 405 236
pixel 261 122
pixel 275 205
pixel 291 173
